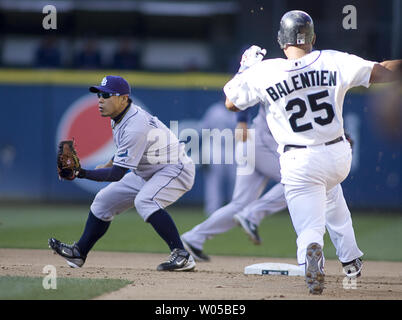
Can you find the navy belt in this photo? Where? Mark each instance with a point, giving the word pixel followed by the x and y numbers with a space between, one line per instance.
pixel 289 147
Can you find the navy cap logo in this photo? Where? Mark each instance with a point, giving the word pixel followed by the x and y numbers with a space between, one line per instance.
pixel 112 84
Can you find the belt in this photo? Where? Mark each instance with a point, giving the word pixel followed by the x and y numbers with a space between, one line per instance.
pixel 289 147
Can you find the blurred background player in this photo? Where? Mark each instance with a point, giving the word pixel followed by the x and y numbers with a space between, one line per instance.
pixel 247 187
pixel 219 174
pixel 160 174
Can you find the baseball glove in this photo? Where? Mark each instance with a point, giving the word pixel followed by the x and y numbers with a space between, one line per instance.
pixel 68 163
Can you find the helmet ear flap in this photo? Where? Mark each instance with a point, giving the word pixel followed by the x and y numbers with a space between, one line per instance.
pixel 279 39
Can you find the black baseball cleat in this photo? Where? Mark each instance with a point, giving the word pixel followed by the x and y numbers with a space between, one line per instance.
pixel 196 253
pixel 69 252
pixel 250 228
pixel 315 268
pixel 352 269
pixel 179 260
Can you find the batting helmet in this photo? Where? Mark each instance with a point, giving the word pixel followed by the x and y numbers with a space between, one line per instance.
pixel 296 27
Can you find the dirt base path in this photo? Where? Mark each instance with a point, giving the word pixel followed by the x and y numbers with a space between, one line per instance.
pixel 221 279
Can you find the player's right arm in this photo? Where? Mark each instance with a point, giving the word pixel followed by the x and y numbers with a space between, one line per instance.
pixel 386 71
pixel 239 94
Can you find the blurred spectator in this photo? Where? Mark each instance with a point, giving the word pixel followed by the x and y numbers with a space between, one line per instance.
pixel 89 57
pixel 126 57
pixel 48 54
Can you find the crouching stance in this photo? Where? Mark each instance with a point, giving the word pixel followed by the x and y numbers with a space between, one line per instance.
pixel 149 171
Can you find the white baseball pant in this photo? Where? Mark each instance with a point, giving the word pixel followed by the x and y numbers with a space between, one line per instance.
pixel 311 177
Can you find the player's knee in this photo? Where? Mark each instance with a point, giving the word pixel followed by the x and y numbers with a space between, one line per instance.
pixel 145 206
pixel 101 212
pixel 100 208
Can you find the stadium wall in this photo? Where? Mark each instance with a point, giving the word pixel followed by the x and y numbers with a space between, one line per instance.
pixel 41 107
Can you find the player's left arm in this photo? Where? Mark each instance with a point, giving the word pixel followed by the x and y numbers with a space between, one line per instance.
pixel 386 71
pixel 114 173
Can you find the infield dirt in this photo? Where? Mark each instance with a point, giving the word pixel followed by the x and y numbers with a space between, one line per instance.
pixel 221 279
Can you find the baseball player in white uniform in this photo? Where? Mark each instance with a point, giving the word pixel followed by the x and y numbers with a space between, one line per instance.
pixel 303 97
pixel 248 188
pixel 150 170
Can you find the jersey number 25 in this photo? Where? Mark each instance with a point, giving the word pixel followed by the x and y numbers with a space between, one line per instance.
pixel 315 106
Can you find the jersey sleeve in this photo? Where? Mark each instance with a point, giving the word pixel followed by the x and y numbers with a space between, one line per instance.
pixel 241 91
pixel 131 149
pixel 355 71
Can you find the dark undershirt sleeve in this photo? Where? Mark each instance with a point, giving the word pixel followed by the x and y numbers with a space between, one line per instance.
pixel 114 173
pixel 243 116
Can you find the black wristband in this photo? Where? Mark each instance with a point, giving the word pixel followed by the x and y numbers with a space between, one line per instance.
pixel 82 173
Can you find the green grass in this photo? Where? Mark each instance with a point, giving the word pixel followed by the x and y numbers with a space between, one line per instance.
pixel 26 288
pixel 378 235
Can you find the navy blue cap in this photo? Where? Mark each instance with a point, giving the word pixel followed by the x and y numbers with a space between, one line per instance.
pixel 112 84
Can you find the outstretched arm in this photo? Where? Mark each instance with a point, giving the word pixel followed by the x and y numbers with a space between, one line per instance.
pixel 386 71
pixel 114 173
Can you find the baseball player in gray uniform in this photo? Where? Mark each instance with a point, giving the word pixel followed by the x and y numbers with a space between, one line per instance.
pixel 217 176
pixel 150 170
pixel 247 189
pixel 303 97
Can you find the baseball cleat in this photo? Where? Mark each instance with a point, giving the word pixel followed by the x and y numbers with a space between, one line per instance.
pixel 69 252
pixel 352 269
pixel 250 228
pixel 196 253
pixel 179 260
pixel 314 268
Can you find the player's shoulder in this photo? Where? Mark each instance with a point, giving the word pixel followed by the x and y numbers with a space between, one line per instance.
pixel 135 119
pixel 335 54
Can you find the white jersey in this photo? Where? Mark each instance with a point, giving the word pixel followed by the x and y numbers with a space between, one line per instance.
pixel 144 144
pixel 303 97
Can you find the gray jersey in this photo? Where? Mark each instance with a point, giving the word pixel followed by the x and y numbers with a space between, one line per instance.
pixel 162 172
pixel 263 134
pixel 144 144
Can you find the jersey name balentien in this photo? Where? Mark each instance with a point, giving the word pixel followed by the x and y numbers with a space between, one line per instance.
pixel 303 98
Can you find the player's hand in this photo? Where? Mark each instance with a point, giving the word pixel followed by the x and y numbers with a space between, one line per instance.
pixel 241 132
pixel 251 56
